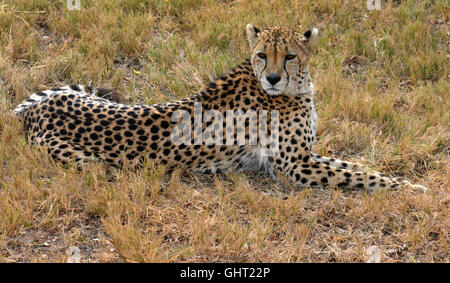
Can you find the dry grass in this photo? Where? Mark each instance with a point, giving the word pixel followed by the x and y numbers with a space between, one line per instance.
pixel 382 81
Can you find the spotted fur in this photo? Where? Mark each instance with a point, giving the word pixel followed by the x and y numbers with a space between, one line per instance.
pixel 74 123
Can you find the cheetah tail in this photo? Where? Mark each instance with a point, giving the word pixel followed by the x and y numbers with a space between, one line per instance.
pixel 33 99
pixel 39 96
pixel 79 90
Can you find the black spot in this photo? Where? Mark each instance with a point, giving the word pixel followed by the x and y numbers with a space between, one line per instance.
pixel 154 129
pixel 75 87
pixel 164 124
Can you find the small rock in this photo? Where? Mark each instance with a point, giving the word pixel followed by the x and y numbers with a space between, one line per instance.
pixel 374 254
pixel 74 254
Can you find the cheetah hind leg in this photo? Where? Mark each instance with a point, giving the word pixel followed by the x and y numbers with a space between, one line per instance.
pixel 65 151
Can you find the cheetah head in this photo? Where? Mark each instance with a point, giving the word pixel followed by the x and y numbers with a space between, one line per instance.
pixel 279 55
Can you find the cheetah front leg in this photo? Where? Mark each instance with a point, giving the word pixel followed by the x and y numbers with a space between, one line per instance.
pixel 339 164
pixel 308 172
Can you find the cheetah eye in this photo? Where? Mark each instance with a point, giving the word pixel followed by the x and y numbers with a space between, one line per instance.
pixel 262 55
pixel 290 57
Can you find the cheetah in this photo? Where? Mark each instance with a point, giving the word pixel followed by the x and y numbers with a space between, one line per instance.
pixel 78 123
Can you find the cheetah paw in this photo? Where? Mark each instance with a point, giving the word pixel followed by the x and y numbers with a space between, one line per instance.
pixel 418 187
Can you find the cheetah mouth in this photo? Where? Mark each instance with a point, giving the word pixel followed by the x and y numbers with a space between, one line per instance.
pixel 273 91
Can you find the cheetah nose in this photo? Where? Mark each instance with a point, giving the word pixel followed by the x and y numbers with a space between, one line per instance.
pixel 273 78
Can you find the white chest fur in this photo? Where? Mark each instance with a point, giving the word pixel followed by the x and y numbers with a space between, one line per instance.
pixel 257 158
pixel 305 89
pixel 313 121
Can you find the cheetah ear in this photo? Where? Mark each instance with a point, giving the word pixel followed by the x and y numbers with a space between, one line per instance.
pixel 312 36
pixel 252 35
